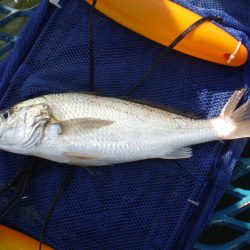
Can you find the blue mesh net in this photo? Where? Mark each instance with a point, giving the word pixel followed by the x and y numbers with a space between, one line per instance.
pixel 130 206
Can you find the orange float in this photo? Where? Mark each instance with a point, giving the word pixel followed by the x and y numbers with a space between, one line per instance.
pixel 162 21
pixel 11 239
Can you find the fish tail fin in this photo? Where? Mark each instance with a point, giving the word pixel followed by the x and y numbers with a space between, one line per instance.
pixel 234 123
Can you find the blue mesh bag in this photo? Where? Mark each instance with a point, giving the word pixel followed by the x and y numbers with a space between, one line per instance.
pixel 153 204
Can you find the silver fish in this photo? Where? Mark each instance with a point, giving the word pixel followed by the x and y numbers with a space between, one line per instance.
pixel 89 130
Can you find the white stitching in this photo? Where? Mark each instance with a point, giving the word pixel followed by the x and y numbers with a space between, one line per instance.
pixel 196 203
pixel 232 56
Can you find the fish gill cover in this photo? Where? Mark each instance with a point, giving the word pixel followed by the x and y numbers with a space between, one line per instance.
pixel 154 204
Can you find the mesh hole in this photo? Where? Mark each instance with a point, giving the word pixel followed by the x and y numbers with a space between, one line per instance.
pixel 243 216
pixel 246 152
pixel 226 201
pixel 243 182
pixel 219 235
pixel 246 247
pixel 14 26
pixel 20 4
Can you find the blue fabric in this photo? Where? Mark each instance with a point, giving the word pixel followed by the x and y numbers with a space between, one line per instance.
pixel 141 205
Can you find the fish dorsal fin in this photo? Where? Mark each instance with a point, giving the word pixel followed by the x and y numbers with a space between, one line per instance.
pixel 232 103
pixel 177 111
pixel 180 153
pixel 79 125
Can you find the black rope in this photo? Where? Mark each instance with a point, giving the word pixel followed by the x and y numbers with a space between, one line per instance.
pixel 91 48
pixel 67 179
pixel 15 199
pixel 169 48
pixel 14 182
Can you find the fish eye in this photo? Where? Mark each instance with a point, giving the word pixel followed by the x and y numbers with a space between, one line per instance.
pixel 5 114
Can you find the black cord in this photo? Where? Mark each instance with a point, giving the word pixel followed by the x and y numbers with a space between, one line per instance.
pixel 15 199
pixel 27 167
pixel 91 48
pixel 169 48
pixel 68 178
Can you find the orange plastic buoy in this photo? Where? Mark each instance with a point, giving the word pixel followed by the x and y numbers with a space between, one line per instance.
pixel 162 21
pixel 11 239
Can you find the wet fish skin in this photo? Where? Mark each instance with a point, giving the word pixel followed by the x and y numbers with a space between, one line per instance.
pixel 89 130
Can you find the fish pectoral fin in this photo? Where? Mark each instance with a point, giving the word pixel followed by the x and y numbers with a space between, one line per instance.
pixel 77 157
pixel 180 153
pixel 82 125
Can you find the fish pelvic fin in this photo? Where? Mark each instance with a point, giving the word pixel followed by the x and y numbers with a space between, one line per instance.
pixel 85 160
pixel 181 153
pixel 233 123
pixel 75 156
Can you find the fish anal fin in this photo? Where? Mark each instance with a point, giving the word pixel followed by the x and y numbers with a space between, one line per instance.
pixel 180 153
